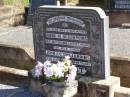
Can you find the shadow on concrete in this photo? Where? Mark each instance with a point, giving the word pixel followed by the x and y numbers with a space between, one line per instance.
pixel 15 57
pixel 14 91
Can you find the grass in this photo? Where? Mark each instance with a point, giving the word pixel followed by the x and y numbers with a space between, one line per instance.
pixel 16 2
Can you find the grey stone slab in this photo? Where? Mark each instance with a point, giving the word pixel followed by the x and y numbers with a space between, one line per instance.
pixel 120 43
pixel 122 92
pixel 14 91
pixel 79 32
pixel 18 37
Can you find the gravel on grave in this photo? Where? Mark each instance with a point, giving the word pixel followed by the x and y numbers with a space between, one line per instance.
pixel 14 91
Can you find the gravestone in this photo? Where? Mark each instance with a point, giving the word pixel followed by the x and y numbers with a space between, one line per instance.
pixel 122 4
pixel 34 4
pixel 78 32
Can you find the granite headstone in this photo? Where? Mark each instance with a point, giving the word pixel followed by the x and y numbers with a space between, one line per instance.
pixel 78 32
pixel 34 4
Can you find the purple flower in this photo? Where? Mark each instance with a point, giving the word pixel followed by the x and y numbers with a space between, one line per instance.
pixel 38 69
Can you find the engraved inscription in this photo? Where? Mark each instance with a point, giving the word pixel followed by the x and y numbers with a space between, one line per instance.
pixel 65 19
pixel 66 49
pixel 81 70
pixel 75 44
pixel 82 63
pixel 66 31
pixel 69 37
pixel 62 54
pixel 66 41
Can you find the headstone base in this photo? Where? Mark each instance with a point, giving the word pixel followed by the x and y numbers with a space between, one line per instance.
pixel 88 87
pixel 55 89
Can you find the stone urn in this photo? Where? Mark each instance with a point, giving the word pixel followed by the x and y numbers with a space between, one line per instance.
pixel 55 89
pixel 60 89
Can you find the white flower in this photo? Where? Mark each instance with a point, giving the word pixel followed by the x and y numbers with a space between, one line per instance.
pixel 73 70
pixel 67 57
pixel 54 68
pixel 60 64
pixel 59 73
pixel 72 73
pixel 56 71
pixel 49 72
pixel 47 64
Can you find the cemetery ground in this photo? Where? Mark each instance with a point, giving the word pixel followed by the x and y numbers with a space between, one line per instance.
pixel 16 51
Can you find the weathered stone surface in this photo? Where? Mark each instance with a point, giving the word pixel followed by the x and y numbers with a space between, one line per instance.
pixel 98 88
pixel 119 43
pixel 55 89
pixel 16 47
pixel 111 83
pixel 122 92
pixel 18 37
pixel 15 58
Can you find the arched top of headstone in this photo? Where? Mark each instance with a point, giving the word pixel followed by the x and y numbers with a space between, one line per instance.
pixel 100 11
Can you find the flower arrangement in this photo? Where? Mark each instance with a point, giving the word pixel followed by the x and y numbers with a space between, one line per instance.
pixel 61 71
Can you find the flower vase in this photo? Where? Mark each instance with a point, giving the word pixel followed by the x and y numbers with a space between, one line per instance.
pixel 60 89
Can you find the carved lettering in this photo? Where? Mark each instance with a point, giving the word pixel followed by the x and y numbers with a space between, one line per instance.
pixel 81 63
pixel 67 43
pixel 81 70
pixel 66 19
pixel 66 30
pixel 62 54
pixel 66 49
pixel 52 59
pixel 69 37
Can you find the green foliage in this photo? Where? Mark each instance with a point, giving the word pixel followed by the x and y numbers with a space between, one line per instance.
pixel 8 2
pixel 57 79
pixel 21 2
